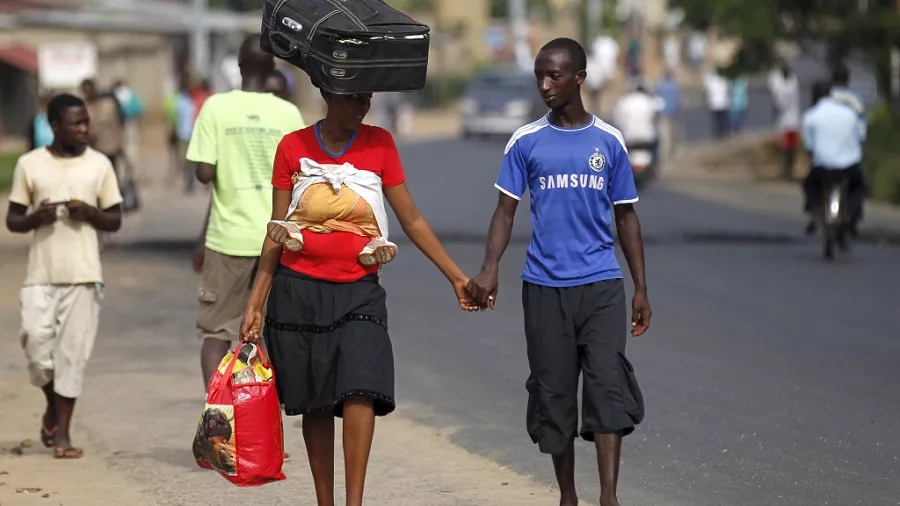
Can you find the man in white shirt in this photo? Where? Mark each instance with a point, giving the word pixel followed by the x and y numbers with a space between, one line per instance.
pixel 601 66
pixel 636 115
pixel 717 101
pixel 72 193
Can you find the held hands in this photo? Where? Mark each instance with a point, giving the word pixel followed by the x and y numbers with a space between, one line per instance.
pixel 466 303
pixel 483 288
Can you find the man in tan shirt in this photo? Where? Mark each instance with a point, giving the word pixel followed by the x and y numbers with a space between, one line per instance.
pixel 72 193
pixel 107 123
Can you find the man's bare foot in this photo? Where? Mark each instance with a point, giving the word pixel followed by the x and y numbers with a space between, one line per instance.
pixel 378 251
pixel 568 500
pixel 604 501
pixel 287 233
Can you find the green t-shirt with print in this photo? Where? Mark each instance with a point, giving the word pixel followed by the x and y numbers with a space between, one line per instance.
pixel 238 132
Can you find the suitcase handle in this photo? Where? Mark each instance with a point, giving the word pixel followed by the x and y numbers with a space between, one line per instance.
pixel 282 45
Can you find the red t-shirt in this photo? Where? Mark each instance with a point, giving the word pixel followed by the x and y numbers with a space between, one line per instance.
pixel 334 256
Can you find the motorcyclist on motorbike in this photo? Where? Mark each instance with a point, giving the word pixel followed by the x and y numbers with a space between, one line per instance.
pixel 834 130
pixel 636 115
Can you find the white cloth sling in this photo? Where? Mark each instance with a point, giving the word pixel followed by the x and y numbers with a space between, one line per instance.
pixel 366 184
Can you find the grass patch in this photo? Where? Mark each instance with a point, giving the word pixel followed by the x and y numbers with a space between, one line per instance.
pixel 882 152
pixel 7 165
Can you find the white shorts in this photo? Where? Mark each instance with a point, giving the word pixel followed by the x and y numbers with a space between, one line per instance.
pixel 59 326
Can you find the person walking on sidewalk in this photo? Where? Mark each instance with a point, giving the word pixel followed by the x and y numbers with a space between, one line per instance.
pixel 669 91
pixel 233 144
pixel 576 169
pixel 326 324
pixel 72 193
pixel 785 89
pixel 740 102
pixel 718 102
pixel 107 123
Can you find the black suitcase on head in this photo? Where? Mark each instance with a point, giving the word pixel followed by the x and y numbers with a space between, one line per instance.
pixel 348 46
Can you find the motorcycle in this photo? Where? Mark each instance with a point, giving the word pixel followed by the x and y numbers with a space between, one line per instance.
pixel 833 212
pixel 643 162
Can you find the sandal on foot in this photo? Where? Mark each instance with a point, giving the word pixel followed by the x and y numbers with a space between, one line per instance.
pixel 69 453
pixel 287 458
pixel 47 436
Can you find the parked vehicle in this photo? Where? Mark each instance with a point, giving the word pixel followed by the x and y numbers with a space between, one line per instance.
pixel 498 102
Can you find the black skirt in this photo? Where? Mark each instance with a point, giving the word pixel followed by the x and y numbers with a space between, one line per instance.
pixel 329 341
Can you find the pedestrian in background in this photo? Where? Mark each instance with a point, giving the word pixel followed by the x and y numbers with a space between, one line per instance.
pixel 740 102
pixel 233 143
pixel 132 112
pixel 106 134
pixel 717 101
pixel 670 93
pixel 60 299
pixel 40 132
pixel 785 89
pixel 185 114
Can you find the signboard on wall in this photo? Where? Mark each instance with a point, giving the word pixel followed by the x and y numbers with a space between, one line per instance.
pixel 66 64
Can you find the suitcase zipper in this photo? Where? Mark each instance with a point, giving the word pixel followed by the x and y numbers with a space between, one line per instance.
pixel 373 64
pixel 315 27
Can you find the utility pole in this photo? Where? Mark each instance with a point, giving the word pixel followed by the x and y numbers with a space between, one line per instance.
pixel 595 20
pixel 200 43
pixel 518 18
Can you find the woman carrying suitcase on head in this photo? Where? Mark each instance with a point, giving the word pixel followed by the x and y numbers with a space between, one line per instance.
pixel 326 323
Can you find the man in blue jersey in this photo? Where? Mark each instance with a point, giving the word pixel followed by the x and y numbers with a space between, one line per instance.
pixel 576 169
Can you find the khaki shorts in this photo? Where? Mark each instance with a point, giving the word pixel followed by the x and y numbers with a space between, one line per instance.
pixel 59 327
pixel 222 297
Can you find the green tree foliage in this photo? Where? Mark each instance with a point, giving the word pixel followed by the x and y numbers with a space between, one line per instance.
pixel 760 23
pixel 871 28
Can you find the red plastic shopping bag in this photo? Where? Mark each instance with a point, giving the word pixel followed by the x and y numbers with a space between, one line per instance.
pixel 240 434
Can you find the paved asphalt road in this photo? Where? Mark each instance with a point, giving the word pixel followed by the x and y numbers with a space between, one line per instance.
pixel 770 376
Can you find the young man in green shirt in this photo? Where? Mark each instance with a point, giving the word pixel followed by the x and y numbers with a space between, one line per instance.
pixel 233 144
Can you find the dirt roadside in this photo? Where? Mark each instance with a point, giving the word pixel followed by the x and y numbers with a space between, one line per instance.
pixel 143 397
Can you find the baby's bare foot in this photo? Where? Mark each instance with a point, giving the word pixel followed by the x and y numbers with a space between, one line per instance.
pixel 287 233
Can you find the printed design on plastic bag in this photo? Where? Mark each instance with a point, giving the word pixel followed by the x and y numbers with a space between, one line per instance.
pixel 215 441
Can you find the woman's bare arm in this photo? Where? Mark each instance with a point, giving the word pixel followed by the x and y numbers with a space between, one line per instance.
pixel 271 254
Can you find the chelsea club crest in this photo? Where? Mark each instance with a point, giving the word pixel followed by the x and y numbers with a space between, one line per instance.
pixel 597 161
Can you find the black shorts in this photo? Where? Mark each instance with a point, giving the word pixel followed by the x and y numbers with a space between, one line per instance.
pixel 327 342
pixel 576 331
